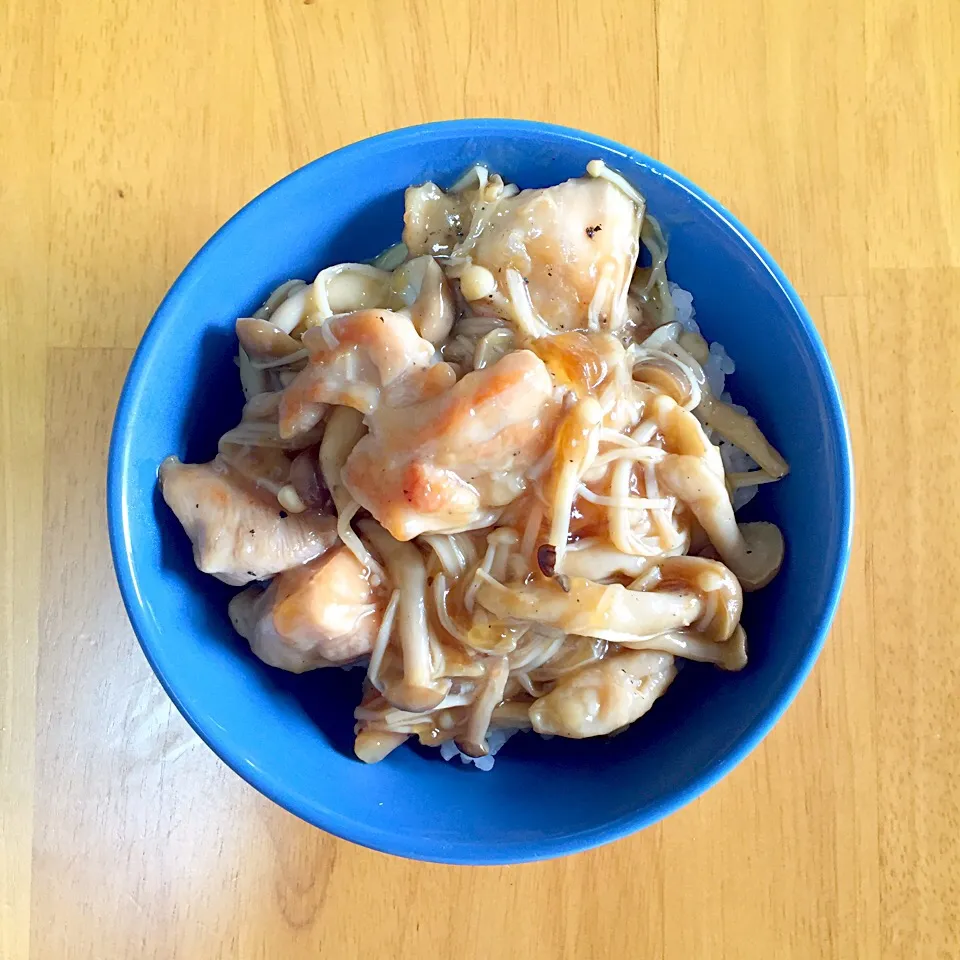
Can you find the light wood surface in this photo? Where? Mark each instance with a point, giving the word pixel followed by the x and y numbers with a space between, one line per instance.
pixel 130 131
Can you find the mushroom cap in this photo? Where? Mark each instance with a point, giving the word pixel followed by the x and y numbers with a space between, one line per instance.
pixel 763 555
pixel 264 340
pixel 417 698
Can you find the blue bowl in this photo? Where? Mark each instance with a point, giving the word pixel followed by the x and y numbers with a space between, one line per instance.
pixel 291 736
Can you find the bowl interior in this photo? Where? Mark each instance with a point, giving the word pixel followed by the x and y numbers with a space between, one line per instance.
pixel 291 736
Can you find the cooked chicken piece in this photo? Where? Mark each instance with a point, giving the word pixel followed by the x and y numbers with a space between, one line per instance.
pixel 604 697
pixel 443 464
pixel 434 220
pixel 573 247
pixel 237 536
pixel 353 357
pixel 320 614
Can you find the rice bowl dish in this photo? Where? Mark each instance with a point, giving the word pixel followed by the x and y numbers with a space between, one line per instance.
pixel 497 468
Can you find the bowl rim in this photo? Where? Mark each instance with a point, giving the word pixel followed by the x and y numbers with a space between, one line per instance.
pixel 366 834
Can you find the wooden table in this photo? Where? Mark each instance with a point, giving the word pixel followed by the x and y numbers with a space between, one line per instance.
pixel 130 131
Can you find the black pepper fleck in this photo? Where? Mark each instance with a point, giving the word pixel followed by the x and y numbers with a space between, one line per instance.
pixel 283 514
pixel 592 230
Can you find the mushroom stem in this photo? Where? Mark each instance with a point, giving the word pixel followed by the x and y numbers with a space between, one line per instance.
pixel 576 447
pixel 433 311
pixel 742 431
pixel 753 552
pixel 601 562
pixel 513 715
pixel 474 740
pixel 691 645
pixel 418 691
pixel 265 341
pixel 371 746
pixel 607 612
pixel 719 589
pixel 346 287
pixel 344 428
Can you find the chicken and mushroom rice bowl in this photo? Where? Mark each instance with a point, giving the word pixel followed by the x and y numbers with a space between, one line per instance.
pixel 496 467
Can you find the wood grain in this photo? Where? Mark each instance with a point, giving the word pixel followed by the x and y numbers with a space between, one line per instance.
pixel 129 132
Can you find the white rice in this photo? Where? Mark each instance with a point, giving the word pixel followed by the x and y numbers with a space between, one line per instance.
pixel 683 307
pixel 718 367
pixel 495 740
pixel 736 461
pixel 719 364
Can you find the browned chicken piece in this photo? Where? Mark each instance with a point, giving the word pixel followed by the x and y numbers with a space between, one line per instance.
pixel 603 697
pixel 353 358
pixel 236 535
pixel 434 220
pixel 573 247
pixel 317 615
pixel 443 464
